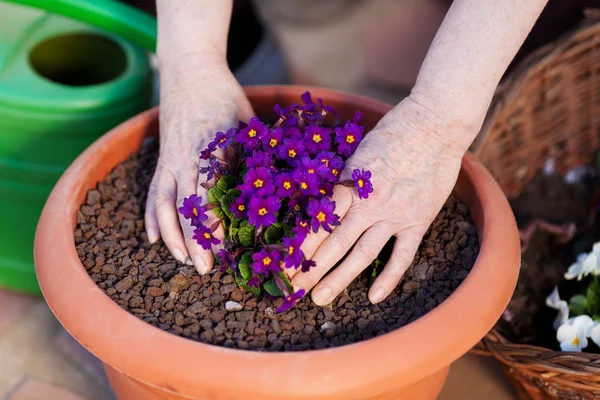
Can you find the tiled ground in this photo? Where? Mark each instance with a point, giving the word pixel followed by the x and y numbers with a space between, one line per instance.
pixel 40 361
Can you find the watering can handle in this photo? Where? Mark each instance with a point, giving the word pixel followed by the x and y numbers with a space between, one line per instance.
pixel 109 15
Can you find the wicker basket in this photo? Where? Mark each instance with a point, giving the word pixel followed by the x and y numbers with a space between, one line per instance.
pixel 548 107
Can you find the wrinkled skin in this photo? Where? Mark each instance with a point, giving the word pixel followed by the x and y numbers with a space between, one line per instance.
pixel 194 106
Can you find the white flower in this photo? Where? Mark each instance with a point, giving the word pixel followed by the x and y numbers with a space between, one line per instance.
pixel 595 334
pixel 573 334
pixel 586 264
pixel 554 301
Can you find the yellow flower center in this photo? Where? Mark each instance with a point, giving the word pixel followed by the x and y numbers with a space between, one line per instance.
pixel 292 153
pixel 195 212
pixel 576 341
pixel 361 183
pixel 316 138
pixel 207 235
pixel 297 207
pixel 266 260
pixel 335 171
pixel 287 185
pixel 222 140
pixel 325 161
pixel 303 185
pixel 311 171
pixel 350 139
pixel 241 207
pixel 291 250
pixel 273 142
pixel 263 211
pixel 321 216
pixel 252 133
pixel 322 191
pixel 303 223
pixel 258 183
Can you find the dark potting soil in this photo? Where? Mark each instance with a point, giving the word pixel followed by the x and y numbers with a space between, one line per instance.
pixel 147 282
pixel 527 319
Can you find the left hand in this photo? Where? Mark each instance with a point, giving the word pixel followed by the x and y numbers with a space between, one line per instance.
pixel 414 169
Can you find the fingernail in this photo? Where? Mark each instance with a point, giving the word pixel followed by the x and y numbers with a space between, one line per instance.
pixel 152 236
pixel 178 255
pixel 377 296
pixel 200 265
pixel 188 261
pixel 322 296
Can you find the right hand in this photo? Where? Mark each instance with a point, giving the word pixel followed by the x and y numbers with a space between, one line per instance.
pixel 199 97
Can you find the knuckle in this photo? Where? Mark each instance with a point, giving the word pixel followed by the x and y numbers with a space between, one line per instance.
pixel 161 199
pixel 368 249
pixel 339 242
pixel 403 257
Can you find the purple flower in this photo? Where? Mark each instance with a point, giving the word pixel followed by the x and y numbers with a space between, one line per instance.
pixel 294 255
pixel 272 139
pixel 265 262
pixel 348 138
pixel 313 166
pixel 307 265
pixel 204 237
pixel 317 138
pixel 254 281
pixel 193 209
pixel 259 159
pixel 327 109
pixel 226 260
pixel 239 207
pixel 222 139
pixel 207 152
pixel 258 181
pixel 362 181
pixel 326 189
pixel 290 300
pixel 262 211
pixel 250 135
pixel 291 150
pixel 214 167
pixel 302 227
pixel 333 163
pixel 321 213
pixel 285 185
pixel 307 183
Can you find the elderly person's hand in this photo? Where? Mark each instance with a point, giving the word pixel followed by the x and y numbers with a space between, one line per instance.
pixel 199 97
pixel 413 171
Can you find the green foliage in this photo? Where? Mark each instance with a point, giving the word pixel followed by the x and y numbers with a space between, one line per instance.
pixel 244 266
pixel 226 183
pixel 577 304
pixel 243 283
pixel 272 288
pixel 274 234
pixel 246 234
pixel 214 195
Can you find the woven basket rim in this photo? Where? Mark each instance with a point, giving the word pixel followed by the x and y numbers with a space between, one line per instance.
pixel 579 371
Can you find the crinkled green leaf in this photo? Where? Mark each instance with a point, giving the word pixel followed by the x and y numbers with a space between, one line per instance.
pixel 272 288
pixel 273 234
pixel 286 281
pixel 578 304
pixel 226 201
pixel 234 192
pixel 218 212
pixel 243 283
pixel 215 194
pixel 244 265
pixel 246 234
pixel 226 182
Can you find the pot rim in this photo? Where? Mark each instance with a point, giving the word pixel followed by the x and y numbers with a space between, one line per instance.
pixel 178 365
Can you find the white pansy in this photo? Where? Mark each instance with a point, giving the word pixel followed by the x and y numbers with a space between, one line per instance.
pixel 595 333
pixel 586 264
pixel 573 334
pixel 554 301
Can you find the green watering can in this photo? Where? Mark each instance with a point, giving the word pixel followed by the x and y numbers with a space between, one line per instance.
pixel 63 83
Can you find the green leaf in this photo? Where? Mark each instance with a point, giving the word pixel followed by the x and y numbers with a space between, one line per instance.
pixel 242 283
pixel 272 288
pixel 286 280
pixel 226 201
pixel 578 304
pixel 596 317
pixel 215 194
pixel 273 234
pixel 226 182
pixel 234 192
pixel 288 230
pixel 233 230
pixel 218 212
pixel 246 234
pixel 244 266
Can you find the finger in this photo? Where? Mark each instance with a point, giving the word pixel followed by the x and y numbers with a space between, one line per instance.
pixel 166 214
pixel 342 196
pixel 150 217
pixel 363 254
pixel 337 244
pixel 403 254
pixel 186 186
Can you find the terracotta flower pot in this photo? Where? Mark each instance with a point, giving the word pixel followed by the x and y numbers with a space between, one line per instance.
pixel 144 362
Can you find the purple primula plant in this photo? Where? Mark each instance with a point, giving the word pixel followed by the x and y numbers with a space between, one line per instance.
pixel 271 190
